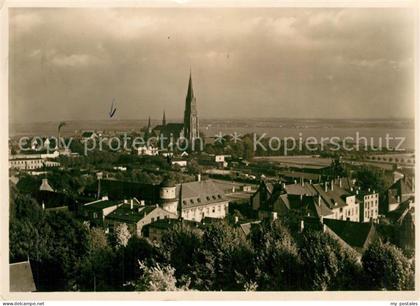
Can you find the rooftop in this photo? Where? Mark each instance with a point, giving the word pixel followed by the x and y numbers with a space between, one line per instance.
pixel 126 214
pixel 356 234
pixel 200 193
pixel 100 204
pixel 21 277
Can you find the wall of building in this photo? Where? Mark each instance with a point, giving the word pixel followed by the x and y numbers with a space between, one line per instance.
pixel 214 210
pixel 349 212
pixel 369 207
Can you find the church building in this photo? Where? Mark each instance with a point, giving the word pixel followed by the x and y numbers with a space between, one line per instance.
pixel 189 129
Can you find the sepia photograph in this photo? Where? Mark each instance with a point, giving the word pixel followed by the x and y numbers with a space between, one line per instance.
pixel 211 149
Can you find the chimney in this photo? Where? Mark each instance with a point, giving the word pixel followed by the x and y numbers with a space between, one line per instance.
pixel 319 200
pixel 199 177
pixel 273 216
pixel 43 205
pixel 310 181
pixel 324 228
pixel 332 185
pixel 301 197
pixel 302 182
pixel 321 219
pixel 340 182
pixel 283 185
pixel 302 226
pixel 398 199
pixel 236 219
pixel 295 181
pixel 131 204
pixel 326 186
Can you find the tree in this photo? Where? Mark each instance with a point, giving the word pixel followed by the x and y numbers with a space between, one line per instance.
pixel 276 258
pixel 137 249
pixel 179 247
pixel 122 235
pixel 368 178
pixel 223 260
pixel 157 278
pixel 193 167
pixel 325 261
pixel 385 267
pixel 98 239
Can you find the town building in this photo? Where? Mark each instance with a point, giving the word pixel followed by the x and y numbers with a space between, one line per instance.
pixel 179 161
pixel 399 192
pixel 369 205
pixel 194 200
pixel 326 200
pixel 147 151
pixel 96 211
pixel 31 163
pixel 136 216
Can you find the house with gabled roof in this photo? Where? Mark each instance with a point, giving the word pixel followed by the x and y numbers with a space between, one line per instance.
pixel 356 234
pixel 325 200
pixel 200 199
pixel 136 216
pixel 398 192
pixel 21 277
pixel 97 210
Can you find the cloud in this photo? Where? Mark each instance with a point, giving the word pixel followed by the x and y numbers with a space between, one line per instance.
pixel 25 21
pixel 74 60
pixel 260 61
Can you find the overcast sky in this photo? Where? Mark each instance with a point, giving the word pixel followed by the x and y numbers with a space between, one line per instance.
pixel 305 63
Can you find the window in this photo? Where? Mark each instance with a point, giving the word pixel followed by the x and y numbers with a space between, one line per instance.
pixel 157 218
pixel 214 209
pixel 153 219
pixel 192 201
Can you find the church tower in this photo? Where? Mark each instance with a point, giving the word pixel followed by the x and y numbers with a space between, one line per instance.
pixel 191 127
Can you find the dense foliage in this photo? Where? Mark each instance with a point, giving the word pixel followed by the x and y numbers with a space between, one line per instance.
pixel 68 255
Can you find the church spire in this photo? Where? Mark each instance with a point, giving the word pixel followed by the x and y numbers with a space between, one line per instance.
pixel 191 126
pixel 164 119
pixel 190 92
pixel 149 126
